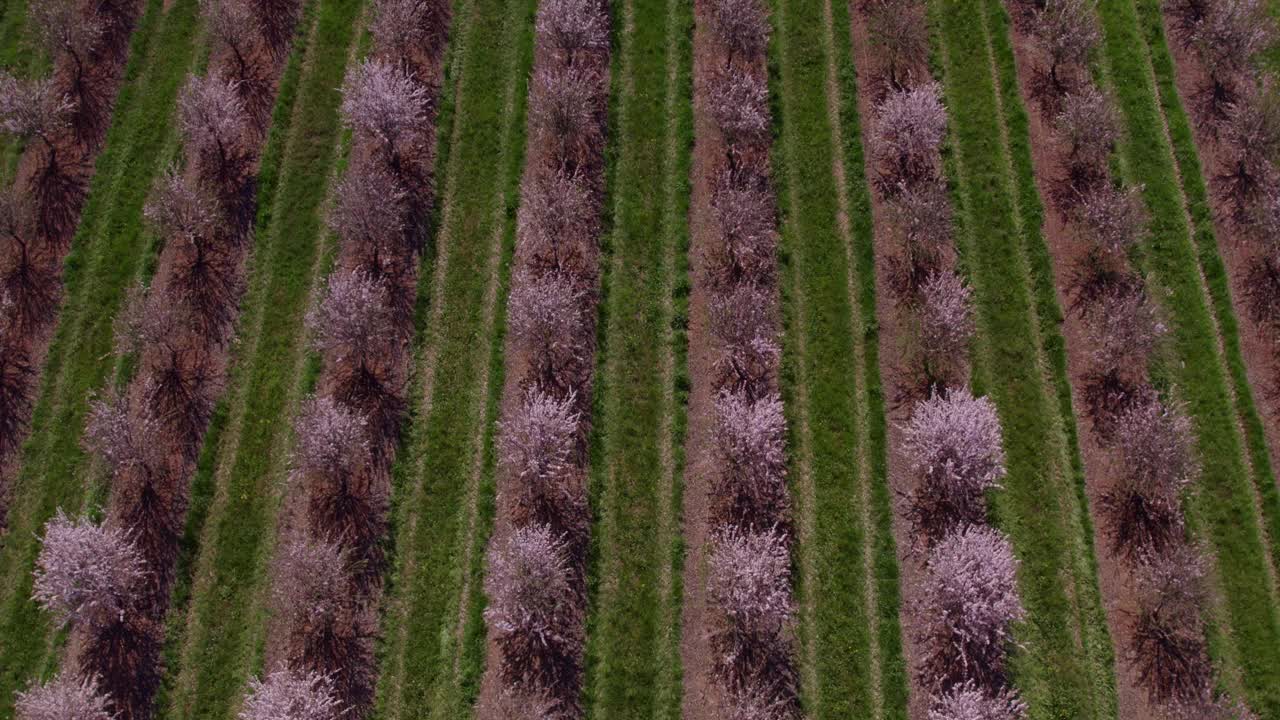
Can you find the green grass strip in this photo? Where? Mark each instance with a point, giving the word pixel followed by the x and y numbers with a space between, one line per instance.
pixel 225 622
pixel 631 643
pixel 1176 253
pixel 1064 669
pixel 432 667
pixel 814 270
pixel 105 258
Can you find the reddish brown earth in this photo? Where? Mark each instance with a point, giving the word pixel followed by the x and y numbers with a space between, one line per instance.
pixel 701 694
pixel 1066 248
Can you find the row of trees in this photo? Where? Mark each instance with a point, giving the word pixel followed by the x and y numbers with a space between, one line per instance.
pixel 62 119
pixel 536 576
pixel 1147 437
pixel 968 599
pixel 327 578
pixel 749 563
pixel 180 328
pixel 1236 105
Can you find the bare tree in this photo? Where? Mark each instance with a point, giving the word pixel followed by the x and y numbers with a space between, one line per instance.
pixel 1186 16
pixel 86 574
pixel 1068 31
pixel 573 26
pixel 742 26
pixel 749 586
pixel 968 603
pixel 1228 39
pixel 289 695
pixel 921 214
pixel 750 443
pixel 565 109
pixel 516 704
pixel 906 135
pixel 66 697
pixel 277 20
pixel 234 24
pixel 953 443
pixel 1250 137
pixel 967 702
pixel 405 27
pixel 898 29
pixel 1210 706
pixel 1262 291
pixel 1168 637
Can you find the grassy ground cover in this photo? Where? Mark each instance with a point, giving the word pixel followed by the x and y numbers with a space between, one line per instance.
pixel 431 661
pixel 1234 467
pixel 632 648
pixel 225 625
pixel 106 256
pixel 819 356
pixel 1064 667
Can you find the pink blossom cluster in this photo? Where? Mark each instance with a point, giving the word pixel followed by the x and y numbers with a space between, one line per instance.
pixel 536 575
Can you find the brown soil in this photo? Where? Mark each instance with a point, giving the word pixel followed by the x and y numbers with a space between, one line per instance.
pixel 1066 248
pixel 1261 350
pixel 105 70
pixel 701 694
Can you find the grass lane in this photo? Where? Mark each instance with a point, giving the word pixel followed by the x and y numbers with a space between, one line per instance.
pixel 1203 378
pixel 224 628
pixel 107 254
pixel 631 648
pixel 820 378
pixel 1064 669
pixel 443 503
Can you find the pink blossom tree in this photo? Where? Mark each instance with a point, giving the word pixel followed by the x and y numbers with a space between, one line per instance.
pixel 1168 638
pixel 557 220
pixel 1123 330
pixel 385 103
pixel 539 441
pixel 332 439
pixel 573 26
pixel 749 586
pixel 179 209
pixel 289 695
pixel 744 325
pixel 545 316
pixel 967 702
pixel 349 322
pixel 946 319
pixel 921 214
pixel 121 438
pixel 214 123
pixel 746 249
pixel 534 610
pixel 1154 447
pixel 1250 135
pixel 739 103
pixel 741 26
pixel 953 443
pixel 32 108
pixel 968 604
pixel 1088 124
pixel 85 574
pixel 310 588
pixel 906 135
pixel 1231 35
pixel 750 442
pixel 1114 220
pixel 564 107
pixel 66 697
pixel 405 27
pixel 369 214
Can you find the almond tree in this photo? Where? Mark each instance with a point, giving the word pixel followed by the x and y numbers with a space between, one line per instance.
pixel 1088 125
pixel 557 221
pixel 565 111
pixel 29 280
pixel 370 214
pixel 1228 39
pixel 68 28
pixel 1168 636
pixel 534 612
pixel 906 136
pixel 741 26
pixel 953 443
pixel 332 439
pixel 739 104
pixel 744 325
pixel 1154 445
pixel 405 27
pixel 122 439
pixel 66 697
pixel 85 574
pixel 214 122
pixel 946 320
pixel 749 586
pixel 1068 31
pixel 966 702
pixel 288 695
pixel 33 108
pixel 386 104
pixel 545 317
pixel 1112 219
pixel 750 442
pixel 349 322
pixel 1250 136
pixel 573 26
pixel 1123 331
pixel 746 248
pixel 539 447
pixel 968 604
